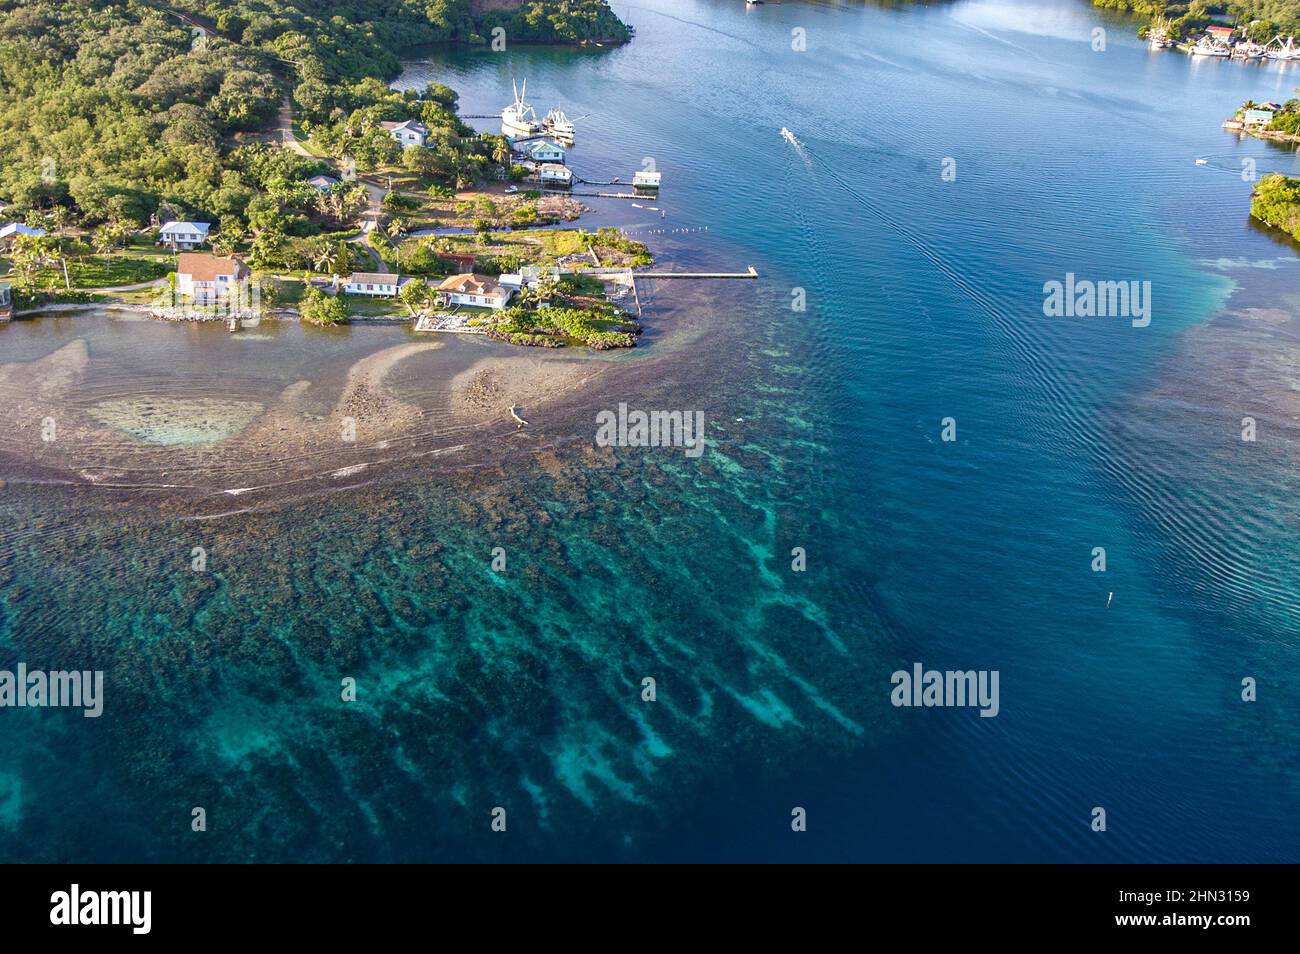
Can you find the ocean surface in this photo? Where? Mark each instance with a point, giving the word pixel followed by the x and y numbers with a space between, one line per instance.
pixel 523 688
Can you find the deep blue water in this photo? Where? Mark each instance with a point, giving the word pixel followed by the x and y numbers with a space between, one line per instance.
pixel 924 302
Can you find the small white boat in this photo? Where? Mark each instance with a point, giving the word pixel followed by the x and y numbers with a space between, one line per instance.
pixel 788 136
pixel 511 190
pixel 1202 162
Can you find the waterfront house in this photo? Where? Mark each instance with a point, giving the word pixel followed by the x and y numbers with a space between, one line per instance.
pixel 554 174
pixel 186 235
pixel 379 284
pixel 545 152
pixel 6 301
pixel 1256 118
pixel 410 133
pixel 1271 106
pixel 16 230
pixel 646 180
pixel 204 277
pixel 1223 33
pixel 478 290
pixel 322 183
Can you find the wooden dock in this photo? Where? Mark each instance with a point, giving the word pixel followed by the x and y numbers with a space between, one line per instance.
pixel 624 273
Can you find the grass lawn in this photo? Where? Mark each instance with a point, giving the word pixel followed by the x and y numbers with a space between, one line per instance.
pixel 101 271
pixel 365 307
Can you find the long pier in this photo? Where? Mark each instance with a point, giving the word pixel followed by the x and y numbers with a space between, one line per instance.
pixel 627 273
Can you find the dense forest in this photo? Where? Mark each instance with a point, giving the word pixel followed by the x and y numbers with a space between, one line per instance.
pixel 1260 20
pixel 1277 203
pixel 115 111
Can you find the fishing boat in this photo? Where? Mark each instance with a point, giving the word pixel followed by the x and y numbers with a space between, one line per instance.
pixel 1159 34
pixel 519 118
pixel 1202 162
pixel 559 125
pixel 1208 46
pixel 1278 49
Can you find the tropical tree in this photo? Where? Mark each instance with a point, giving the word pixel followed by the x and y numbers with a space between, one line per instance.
pixel 416 295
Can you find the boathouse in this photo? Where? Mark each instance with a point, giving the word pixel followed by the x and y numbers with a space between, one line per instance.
pixel 554 174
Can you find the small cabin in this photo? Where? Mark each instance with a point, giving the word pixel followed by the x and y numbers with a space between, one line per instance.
pixel 646 180
pixel 554 174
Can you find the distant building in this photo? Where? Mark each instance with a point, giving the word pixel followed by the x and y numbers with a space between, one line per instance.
pixel 6 301
pixel 1257 117
pixel 205 277
pixel 185 235
pixel 545 152
pixel 380 284
pixel 478 290
pixel 16 230
pixel 554 174
pixel 463 262
pixel 322 183
pixel 647 180
pixel 1220 32
pixel 410 133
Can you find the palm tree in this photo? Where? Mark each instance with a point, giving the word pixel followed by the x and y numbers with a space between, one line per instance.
pixel 501 153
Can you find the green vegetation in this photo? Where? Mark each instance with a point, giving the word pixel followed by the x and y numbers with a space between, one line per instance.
pixel 1188 19
pixel 318 308
pixel 1287 119
pixel 1276 203
pixel 557 313
pixel 115 114
pixel 553 326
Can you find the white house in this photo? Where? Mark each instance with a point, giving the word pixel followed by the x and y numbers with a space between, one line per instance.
pixel 183 234
pixel 477 290
pixel 554 174
pixel 410 133
pixel 530 276
pixel 646 180
pixel 545 152
pixel 16 230
pixel 372 283
pixel 205 277
pixel 322 183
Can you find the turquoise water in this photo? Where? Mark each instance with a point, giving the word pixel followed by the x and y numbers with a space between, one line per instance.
pixel 522 689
